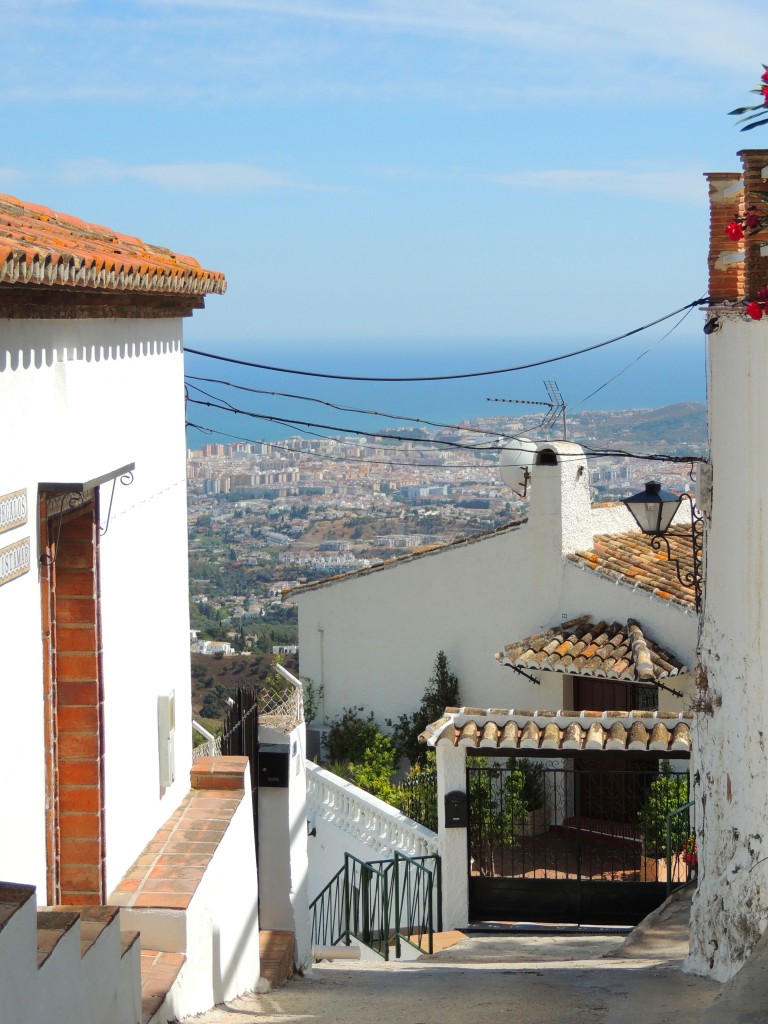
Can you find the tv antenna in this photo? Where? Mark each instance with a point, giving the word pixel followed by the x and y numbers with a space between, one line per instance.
pixel 556 407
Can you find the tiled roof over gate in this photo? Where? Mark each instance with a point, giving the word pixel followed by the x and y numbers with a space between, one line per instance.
pixel 41 247
pixel 584 647
pixel 566 731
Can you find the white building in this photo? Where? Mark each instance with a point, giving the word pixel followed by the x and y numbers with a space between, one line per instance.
pixel 730 911
pixel 93 517
pixel 370 637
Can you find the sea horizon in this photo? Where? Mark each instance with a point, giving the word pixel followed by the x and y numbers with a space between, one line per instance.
pixel 648 374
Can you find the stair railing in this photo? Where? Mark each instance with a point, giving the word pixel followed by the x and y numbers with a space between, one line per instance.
pixel 381 904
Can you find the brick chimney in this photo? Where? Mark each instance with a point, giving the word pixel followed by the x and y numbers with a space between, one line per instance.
pixel 737 270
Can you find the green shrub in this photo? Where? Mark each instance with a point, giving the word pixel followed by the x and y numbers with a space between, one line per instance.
pixel 442 691
pixel 350 735
pixel 375 770
pixel 666 793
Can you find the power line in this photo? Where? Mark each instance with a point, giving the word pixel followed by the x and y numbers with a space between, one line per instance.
pixel 286 422
pixel 637 358
pixel 447 376
pixel 345 408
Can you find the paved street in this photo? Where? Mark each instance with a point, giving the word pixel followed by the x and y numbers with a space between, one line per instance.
pixel 528 978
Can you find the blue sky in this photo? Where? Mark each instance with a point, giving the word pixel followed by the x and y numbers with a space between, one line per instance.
pixel 436 173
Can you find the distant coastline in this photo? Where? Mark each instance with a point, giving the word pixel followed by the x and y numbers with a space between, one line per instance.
pixel 669 374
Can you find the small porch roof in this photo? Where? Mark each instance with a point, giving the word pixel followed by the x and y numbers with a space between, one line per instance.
pixel 584 647
pixel 567 731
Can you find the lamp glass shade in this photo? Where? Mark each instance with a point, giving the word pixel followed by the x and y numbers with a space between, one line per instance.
pixel 653 509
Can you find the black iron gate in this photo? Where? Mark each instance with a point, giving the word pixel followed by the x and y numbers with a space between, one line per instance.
pixel 584 839
pixel 241 737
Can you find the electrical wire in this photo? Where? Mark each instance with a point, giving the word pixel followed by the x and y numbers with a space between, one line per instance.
pixel 351 408
pixel 447 376
pixel 302 428
pixel 285 422
pixel 635 360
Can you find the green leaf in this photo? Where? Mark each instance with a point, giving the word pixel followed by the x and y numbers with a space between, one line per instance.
pixel 740 110
pixel 755 124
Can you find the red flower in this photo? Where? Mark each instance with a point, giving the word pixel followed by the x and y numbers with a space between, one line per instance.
pixel 755 310
pixel 765 94
pixel 752 220
pixel 734 231
pixel 764 76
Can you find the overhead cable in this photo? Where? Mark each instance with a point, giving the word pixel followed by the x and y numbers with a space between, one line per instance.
pixel 446 376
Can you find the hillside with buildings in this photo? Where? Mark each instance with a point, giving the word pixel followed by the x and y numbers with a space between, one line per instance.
pixel 266 517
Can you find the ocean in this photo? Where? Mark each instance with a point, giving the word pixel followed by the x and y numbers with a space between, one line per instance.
pixel 647 374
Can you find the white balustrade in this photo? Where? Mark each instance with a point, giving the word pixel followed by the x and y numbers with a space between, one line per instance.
pixel 371 821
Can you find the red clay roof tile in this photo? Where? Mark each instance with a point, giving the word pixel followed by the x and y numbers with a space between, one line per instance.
pixel 39 246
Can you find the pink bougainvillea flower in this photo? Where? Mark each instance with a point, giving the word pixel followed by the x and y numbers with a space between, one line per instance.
pixel 734 231
pixel 755 310
pixel 764 76
pixel 752 220
pixel 765 94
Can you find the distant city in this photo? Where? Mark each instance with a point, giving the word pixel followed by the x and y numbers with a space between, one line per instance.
pixel 267 517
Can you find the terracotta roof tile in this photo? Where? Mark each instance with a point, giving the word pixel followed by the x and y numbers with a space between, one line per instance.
pixel 512 730
pixel 586 648
pixel 630 557
pixel 41 247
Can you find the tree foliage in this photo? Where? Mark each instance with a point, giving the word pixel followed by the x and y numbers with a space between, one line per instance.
pixel 442 691
pixel 350 735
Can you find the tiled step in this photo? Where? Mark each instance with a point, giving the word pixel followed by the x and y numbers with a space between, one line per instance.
pixel 53 923
pixel 158 972
pixel 12 897
pixel 276 954
pixel 93 921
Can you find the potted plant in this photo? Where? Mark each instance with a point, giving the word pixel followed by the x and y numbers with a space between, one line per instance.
pixel 533 794
pixel 666 793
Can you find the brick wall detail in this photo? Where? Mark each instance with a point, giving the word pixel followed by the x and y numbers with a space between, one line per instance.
pixel 79 715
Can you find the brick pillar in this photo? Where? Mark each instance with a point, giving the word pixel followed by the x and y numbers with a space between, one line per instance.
pixel 756 266
pixel 79 712
pixel 726 279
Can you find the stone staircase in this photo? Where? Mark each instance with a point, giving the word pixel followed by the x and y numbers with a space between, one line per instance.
pixel 68 964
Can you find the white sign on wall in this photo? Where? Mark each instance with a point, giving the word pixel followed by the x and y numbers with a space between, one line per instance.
pixel 14 561
pixel 13 510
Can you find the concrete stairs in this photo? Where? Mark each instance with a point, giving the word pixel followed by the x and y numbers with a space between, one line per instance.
pixel 68 964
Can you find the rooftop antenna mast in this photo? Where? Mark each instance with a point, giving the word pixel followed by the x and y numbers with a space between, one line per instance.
pixel 556 407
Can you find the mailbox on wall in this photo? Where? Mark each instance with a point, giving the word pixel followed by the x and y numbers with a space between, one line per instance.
pixel 274 760
pixel 456 809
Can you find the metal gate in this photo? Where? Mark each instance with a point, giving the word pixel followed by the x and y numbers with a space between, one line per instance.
pixel 241 737
pixel 589 839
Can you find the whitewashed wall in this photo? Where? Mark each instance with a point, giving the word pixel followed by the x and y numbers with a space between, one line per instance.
pixel 81 398
pixel 344 819
pixel 730 910
pixel 283 845
pixel 371 639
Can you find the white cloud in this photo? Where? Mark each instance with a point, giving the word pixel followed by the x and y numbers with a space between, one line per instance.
pixel 200 177
pixel 674 186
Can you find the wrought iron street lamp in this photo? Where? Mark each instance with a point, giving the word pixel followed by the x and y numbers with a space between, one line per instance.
pixel 653 510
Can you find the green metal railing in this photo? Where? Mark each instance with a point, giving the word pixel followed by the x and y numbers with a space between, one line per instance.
pixel 381 904
pixel 682 858
pixel 416 886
